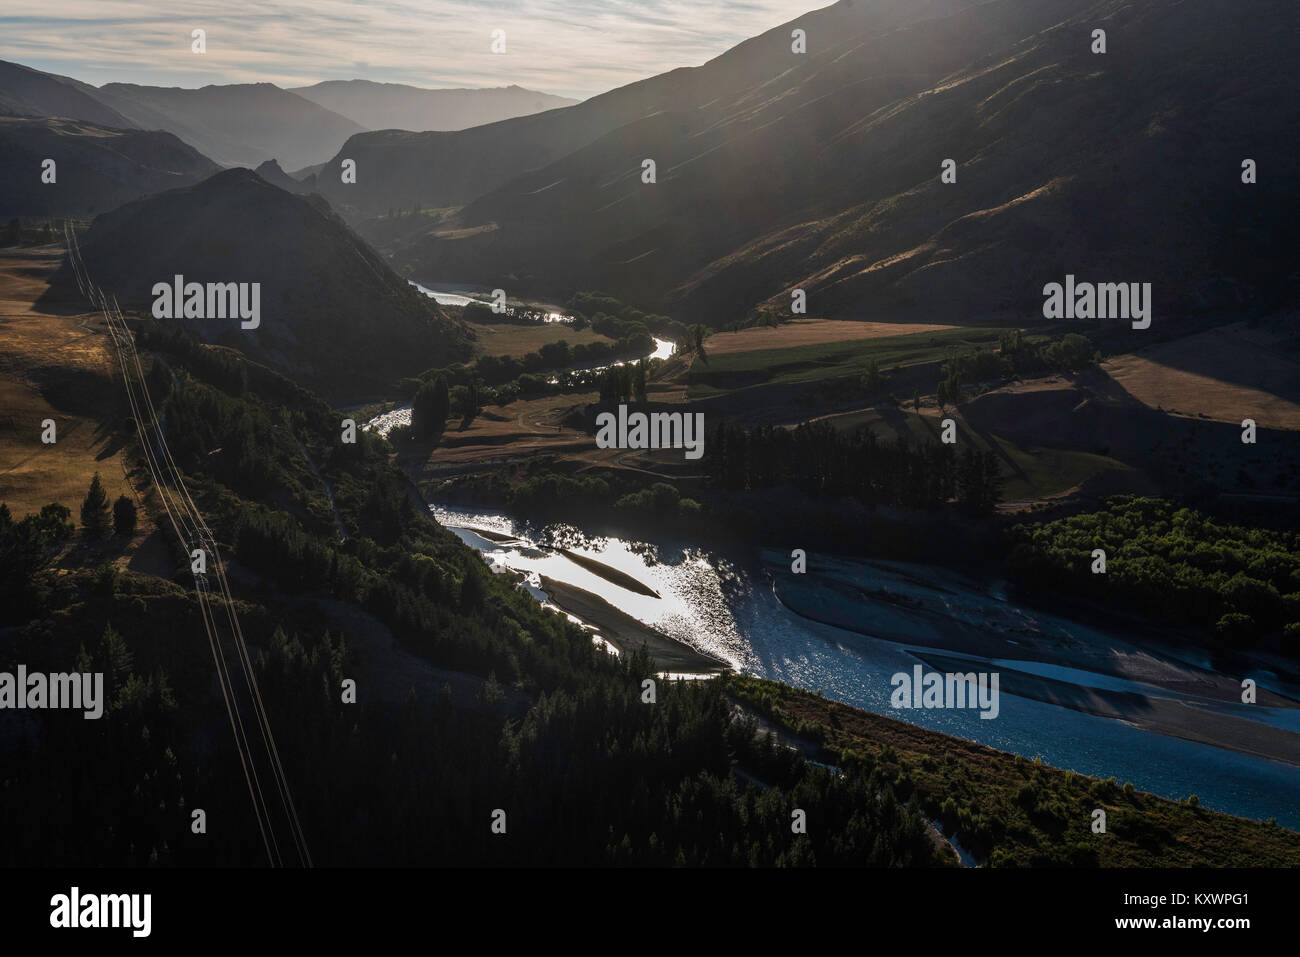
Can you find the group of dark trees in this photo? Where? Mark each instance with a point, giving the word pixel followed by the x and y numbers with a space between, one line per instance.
pixel 95 514
pixel 430 408
pixel 1016 356
pixel 819 459
pixel 623 383
pixel 500 380
pixel 19 233
pixel 616 319
pixel 27 548
pixel 554 356
pixel 1170 563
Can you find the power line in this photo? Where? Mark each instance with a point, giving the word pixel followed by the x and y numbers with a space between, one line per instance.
pixel 191 530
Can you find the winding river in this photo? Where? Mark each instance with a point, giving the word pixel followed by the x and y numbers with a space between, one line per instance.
pixel 726 605
pixel 401 415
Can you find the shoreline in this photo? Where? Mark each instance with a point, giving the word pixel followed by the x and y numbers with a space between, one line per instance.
pixel 611 575
pixel 1167 716
pixel 627 634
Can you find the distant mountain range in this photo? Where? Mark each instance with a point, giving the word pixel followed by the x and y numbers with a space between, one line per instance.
pixel 247 124
pixel 333 315
pixel 236 125
pixel 383 106
pixel 28 92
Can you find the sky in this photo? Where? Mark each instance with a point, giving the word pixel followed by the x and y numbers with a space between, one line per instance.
pixel 572 48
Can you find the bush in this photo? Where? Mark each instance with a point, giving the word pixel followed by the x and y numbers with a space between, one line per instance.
pixel 1235 627
pixel 659 497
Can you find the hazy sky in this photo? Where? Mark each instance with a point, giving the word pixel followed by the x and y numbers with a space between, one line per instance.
pixel 571 47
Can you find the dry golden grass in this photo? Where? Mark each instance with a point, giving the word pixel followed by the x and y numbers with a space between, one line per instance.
pixel 522 428
pixel 810 332
pixel 54 364
pixel 507 339
pixel 1226 374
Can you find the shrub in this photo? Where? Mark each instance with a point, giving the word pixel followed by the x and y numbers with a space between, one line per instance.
pixel 1234 626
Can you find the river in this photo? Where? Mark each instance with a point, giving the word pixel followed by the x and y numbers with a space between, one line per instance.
pixel 462 294
pixel 726 605
pixel 401 415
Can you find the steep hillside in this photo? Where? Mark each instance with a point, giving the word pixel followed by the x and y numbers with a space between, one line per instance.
pixel 240 124
pixel 28 92
pixel 332 314
pixel 822 171
pixel 396 106
pixel 96 168
pixel 398 169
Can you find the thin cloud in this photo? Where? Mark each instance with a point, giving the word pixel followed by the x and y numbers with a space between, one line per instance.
pixel 572 47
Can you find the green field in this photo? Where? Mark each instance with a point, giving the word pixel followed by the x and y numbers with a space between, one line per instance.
pixel 1033 473
pixel 811 363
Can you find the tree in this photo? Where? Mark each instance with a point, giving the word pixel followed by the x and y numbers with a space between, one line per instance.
pixel 430 407
pixel 639 380
pixel 94 510
pixel 698 332
pixel 124 517
pixel 872 381
pixel 471 402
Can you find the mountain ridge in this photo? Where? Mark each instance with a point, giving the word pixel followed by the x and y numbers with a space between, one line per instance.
pixel 380 106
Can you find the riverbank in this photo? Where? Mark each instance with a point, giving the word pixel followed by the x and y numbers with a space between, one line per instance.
pixel 1009 811
pixel 627 634
pixel 1189 720
pixel 1039 656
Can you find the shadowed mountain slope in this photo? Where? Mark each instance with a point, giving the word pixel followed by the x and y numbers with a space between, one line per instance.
pixel 396 169
pixel 332 313
pixel 821 171
pixel 96 168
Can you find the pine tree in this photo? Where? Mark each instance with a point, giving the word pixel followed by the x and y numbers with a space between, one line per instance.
pixel 115 658
pixel 94 510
